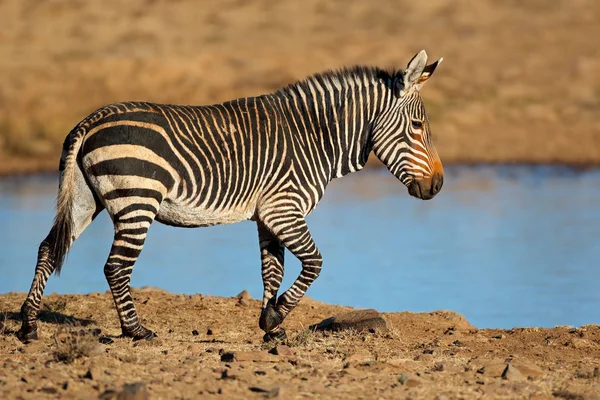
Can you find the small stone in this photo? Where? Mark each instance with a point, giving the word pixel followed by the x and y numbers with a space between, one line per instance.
pixel 195 333
pixel 403 378
pixel 424 357
pixel 439 367
pixel 134 391
pixel 596 372
pixel 412 382
pixel 282 350
pixel 511 373
pixel 360 356
pixel 88 375
pixel 212 331
pixel 256 356
pixel 499 336
pixel 195 348
pixel 360 321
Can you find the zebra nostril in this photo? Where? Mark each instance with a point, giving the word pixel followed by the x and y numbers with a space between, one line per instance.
pixel 438 182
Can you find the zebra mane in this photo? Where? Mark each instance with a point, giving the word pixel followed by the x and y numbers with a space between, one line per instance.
pixel 344 75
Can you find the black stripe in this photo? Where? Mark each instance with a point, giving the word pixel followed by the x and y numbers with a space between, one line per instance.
pixel 130 192
pixel 134 207
pixel 133 166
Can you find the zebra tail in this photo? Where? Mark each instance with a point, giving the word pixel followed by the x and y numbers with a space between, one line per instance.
pixel 62 227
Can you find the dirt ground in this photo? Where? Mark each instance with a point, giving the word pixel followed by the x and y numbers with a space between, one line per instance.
pixel 425 355
pixel 520 80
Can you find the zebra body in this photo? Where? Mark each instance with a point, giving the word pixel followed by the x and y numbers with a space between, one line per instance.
pixel 267 159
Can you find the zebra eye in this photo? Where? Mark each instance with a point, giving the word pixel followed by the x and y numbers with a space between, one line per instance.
pixel 417 124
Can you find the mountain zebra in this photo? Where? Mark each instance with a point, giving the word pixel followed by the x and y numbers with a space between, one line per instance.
pixel 267 159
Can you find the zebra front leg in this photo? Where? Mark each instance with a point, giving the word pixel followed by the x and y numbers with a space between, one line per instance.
pixel 293 233
pixel 126 248
pixel 272 259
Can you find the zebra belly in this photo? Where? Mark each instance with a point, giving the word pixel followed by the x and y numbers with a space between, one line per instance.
pixel 182 215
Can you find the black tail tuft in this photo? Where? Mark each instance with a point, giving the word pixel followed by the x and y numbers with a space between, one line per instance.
pixel 61 236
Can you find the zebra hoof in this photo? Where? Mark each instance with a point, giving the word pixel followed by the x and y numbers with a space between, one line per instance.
pixel 149 336
pixel 27 334
pixel 269 318
pixel 280 335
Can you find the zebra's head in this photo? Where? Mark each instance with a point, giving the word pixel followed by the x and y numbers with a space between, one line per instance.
pixel 402 138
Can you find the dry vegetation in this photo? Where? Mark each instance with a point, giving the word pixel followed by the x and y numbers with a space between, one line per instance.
pixel 420 356
pixel 521 80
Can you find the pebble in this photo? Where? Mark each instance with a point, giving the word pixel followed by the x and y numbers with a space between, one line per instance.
pixel 212 331
pixel 256 356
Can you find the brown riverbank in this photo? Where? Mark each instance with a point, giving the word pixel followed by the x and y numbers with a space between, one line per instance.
pixel 520 81
pixel 421 355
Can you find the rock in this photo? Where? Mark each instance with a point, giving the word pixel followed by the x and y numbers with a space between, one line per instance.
pixel 360 320
pixel 256 356
pixel 403 378
pixel 243 298
pixel 528 369
pixel 578 343
pixel 282 350
pixel 493 368
pixel 133 391
pixel 511 373
pixel 268 393
pixel 195 332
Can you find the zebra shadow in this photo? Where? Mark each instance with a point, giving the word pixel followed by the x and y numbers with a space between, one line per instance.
pixel 47 316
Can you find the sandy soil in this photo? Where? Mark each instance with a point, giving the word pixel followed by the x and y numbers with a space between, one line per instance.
pixel 520 81
pixel 426 355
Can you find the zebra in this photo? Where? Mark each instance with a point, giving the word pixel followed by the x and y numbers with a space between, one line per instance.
pixel 266 159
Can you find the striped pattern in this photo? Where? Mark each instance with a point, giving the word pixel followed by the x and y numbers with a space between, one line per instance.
pixel 267 158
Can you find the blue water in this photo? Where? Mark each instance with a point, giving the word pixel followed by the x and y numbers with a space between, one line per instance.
pixel 504 246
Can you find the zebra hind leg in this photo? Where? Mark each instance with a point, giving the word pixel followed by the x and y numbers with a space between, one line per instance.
pixel 84 209
pixel 131 227
pixel 272 258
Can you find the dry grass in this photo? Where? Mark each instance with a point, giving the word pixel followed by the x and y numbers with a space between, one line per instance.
pixel 520 81
pixel 69 346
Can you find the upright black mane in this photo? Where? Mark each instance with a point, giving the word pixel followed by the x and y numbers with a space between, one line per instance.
pixel 344 74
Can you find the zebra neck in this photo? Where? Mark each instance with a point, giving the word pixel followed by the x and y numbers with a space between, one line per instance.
pixel 336 115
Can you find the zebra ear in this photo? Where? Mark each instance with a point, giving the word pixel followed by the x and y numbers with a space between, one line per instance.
pixel 414 70
pixel 427 72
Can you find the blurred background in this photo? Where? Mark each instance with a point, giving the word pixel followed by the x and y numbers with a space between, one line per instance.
pixel 511 240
